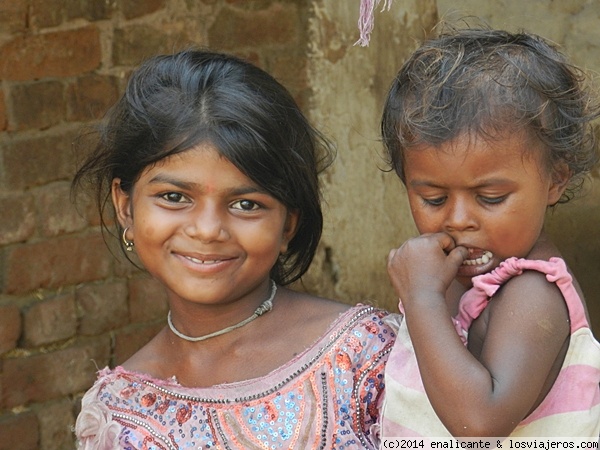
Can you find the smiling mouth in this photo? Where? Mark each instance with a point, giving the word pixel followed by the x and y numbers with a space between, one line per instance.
pixel 483 259
pixel 203 261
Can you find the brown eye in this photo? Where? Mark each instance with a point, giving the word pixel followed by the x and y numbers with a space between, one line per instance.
pixel 245 205
pixel 173 197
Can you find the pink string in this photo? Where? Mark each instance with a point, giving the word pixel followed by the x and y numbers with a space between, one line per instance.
pixel 366 19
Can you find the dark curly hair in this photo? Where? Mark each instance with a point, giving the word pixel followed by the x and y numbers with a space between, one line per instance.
pixel 486 82
pixel 173 103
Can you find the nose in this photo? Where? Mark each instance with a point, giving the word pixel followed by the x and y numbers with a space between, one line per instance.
pixel 207 224
pixel 460 215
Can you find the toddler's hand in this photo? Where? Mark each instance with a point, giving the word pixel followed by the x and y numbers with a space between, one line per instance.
pixel 425 266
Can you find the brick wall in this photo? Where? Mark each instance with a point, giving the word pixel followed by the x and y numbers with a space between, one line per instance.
pixel 67 306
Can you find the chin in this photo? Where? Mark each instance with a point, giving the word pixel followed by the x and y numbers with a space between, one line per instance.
pixel 465 282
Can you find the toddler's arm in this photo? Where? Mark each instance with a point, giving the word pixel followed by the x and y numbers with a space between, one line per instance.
pixel 488 388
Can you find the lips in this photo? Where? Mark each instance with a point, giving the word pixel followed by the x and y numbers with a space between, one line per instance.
pixel 478 262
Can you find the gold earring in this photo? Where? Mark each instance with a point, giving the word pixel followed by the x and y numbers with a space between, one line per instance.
pixel 128 244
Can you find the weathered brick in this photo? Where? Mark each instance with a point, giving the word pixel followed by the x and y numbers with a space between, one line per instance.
pixel 55 263
pixel 48 376
pixel 133 44
pixel 127 264
pixel 10 327
pixel 76 403
pixel 3 114
pixel 47 13
pixel 256 4
pixel 13 16
pixel 129 341
pixel 290 69
pixel 88 208
pixel 58 54
pixel 89 10
pixel 57 214
pixel 276 25
pixel 56 421
pixel 50 320
pixel 137 8
pixel 35 161
pixel 51 13
pixel 90 97
pixel 250 56
pixel 147 300
pixel 19 431
pixel 37 105
pixel 18 217
pixel 102 307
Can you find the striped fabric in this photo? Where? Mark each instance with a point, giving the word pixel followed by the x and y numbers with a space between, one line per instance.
pixel 571 408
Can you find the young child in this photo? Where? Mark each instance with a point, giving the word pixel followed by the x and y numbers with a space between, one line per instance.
pixel 487 129
pixel 213 174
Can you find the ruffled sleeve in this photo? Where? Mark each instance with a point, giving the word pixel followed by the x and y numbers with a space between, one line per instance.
pixel 95 428
pixel 475 300
pixel 485 286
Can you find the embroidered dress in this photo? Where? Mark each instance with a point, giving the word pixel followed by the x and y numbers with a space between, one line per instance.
pixel 571 408
pixel 328 397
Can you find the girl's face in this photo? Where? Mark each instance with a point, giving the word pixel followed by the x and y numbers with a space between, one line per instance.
pixel 490 196
pixel 202 228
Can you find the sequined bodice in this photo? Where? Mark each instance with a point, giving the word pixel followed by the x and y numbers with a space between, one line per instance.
pixel 326 398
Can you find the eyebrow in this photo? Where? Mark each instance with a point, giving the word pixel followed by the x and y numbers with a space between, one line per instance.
pixel 485 183
pixel 189 186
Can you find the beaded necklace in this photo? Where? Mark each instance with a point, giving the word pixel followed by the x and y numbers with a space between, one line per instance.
pixel 264 307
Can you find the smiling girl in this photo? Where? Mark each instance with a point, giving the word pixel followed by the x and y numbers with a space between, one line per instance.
pixel 212 170
pixel 487 130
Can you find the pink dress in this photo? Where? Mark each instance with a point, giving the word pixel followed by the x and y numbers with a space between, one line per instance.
pixel 571 408
pixel 328 397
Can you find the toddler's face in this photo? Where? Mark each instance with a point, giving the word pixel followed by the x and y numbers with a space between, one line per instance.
pixel 489 195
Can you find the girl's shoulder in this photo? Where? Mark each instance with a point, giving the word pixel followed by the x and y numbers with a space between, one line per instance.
pixel 361 335
pixel 521 283
pixel 519 290
pixel 310 330
pixel 340 375
pixel 313 318
pixel 531 280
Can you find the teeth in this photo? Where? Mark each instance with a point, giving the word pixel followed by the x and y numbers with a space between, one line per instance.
pixel 484 259
pixel 199 261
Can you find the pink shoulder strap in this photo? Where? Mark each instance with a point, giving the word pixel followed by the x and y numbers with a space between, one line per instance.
pixel 485 286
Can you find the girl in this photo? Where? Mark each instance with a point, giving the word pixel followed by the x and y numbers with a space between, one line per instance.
pixel 212 172
pixel 487 129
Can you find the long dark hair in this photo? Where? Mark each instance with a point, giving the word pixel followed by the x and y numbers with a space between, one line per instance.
pixel 175 102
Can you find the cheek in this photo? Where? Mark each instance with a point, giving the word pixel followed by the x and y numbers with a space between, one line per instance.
pixel 258 238
pixel 425 221
pixel 509 237
pixel 146 228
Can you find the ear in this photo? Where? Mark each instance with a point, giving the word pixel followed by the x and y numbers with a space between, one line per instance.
pixel 289 229
pixel 561 175
pixel 122 204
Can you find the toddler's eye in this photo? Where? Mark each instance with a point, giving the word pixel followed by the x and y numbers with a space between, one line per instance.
pixel 434 201
pixel 493 200
pixel 174 197
pixel 245 205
